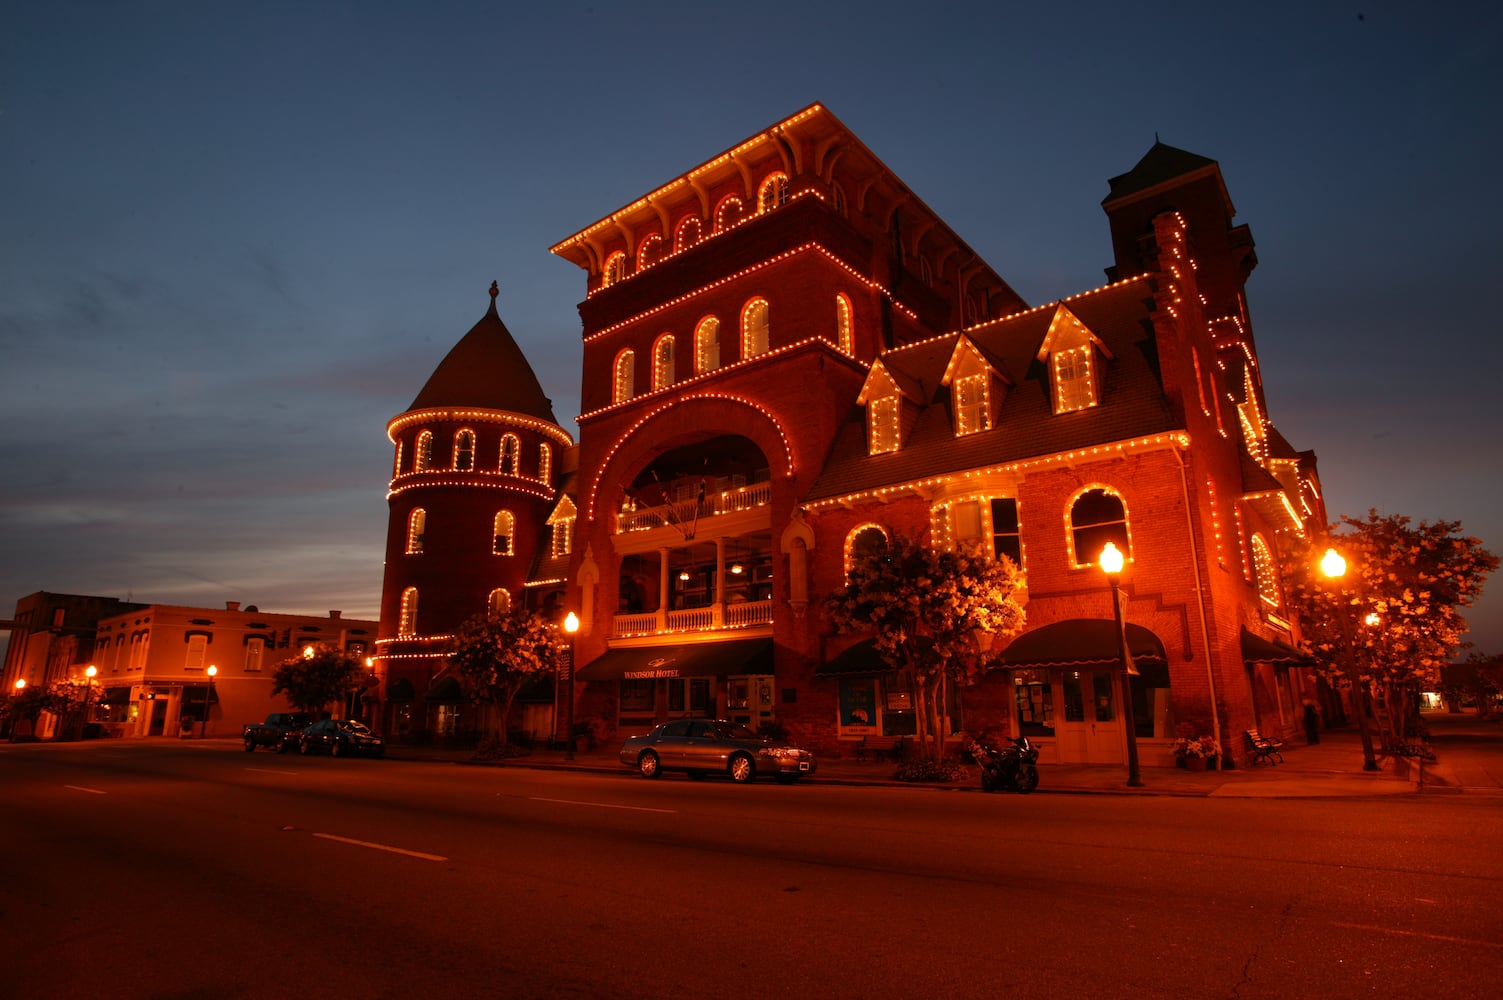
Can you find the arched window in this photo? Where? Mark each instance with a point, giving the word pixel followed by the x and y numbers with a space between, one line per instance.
pixel 662 362
pixel 774 193
pixel 464 450
pixel 866 540
pixel 498 603
pixel 650 251
pixel 1097 516
pixel 407 620
pixel 423 457
pixel 727 213
pixel 754 335
pixel 622 387
pixel 396 468
pixel 1267 573
pixel 687 234
pixel 837 199
pixel 545 464
pixel 501 538
pixel 707 345
pixel 511 455
pixel 417 523
pixel 615 268
pixel 845 337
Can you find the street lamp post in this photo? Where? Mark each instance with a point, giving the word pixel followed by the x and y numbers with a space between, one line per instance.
pixel 571 626
pixel 208 700
pixel 1111 565
pixel 90 672
pixel 1334 567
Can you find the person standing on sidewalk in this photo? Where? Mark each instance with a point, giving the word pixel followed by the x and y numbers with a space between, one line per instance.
pixel 1312 722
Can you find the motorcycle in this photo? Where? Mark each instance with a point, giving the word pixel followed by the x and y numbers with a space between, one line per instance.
pixel 1014 767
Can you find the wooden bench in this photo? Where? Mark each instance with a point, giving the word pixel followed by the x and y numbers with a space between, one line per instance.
pixel 1263 748
pixel 877 746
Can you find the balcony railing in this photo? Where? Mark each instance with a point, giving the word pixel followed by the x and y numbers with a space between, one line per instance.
pixel 685 511
pixel 707 619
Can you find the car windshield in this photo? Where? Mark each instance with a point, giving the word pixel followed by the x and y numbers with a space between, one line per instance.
pixel 727 731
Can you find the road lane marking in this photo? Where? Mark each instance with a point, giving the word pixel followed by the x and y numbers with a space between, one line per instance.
pixel 382 847
pixel 269 770
pixel 603 805
pixel 81 788
pixel 1421 934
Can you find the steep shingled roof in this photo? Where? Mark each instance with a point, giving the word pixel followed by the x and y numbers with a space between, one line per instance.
pixel 486 370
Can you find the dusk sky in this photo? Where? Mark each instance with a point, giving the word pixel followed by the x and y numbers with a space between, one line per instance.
pixel 235 239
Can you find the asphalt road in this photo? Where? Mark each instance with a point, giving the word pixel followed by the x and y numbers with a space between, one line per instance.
pixel 186 871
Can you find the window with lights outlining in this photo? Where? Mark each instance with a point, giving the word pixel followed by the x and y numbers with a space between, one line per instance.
pixel 754 329
pixel 505 524
pixel 707 345
pixel 882 424
pixel 407 618
pixel 622 387
pixel 1097 516
pixel 417 523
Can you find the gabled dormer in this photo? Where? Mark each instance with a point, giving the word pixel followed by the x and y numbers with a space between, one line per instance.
pixel 561 521
pixel 1073 355
pixel 977 386
pixel 883 394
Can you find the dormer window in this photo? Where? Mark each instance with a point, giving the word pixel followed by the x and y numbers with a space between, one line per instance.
pixel 882 424
pixel 562 523
pixel 972 409
pixel 1071 350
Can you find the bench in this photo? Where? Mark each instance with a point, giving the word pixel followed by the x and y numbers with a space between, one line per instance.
pixel 877 746
pixel 1263 748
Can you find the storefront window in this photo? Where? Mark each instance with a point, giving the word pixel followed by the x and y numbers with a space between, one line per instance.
pixel 1035 706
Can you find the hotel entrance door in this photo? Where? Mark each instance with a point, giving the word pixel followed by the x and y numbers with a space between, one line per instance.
pixel 1089 729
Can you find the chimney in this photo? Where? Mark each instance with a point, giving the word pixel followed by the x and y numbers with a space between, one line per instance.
pixel 232 605
pixel 335 614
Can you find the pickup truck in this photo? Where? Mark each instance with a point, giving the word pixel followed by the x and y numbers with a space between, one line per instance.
pixel 280 731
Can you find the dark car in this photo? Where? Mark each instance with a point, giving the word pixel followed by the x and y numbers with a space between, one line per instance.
pixel 699 747
pixel 341 737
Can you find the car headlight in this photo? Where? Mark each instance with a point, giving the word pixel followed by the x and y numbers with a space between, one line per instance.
pixel 780 753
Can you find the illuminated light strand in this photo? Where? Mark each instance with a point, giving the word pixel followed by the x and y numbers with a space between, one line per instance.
pixel 446 415
pixel 511 483
pixel 1055 304
pixel 646 200
pixel 544 583
pixel 1171 439
pixel 760 265
pixel 712 373
pixel 1242 544
pixel 777 426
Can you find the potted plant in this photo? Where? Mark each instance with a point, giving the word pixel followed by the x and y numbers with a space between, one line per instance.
pixel 1193 750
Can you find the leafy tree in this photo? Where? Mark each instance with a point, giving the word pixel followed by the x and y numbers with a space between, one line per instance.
pixel 29 706
pixel 317 677
pixel 928 610
pixel 63 698
pixel 495 656
pixel 1400 600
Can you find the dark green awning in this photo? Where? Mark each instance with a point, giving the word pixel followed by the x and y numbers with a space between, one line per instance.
pixel 700 659
pixel 1082 642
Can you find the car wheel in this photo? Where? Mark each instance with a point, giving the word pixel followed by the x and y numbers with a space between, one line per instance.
pixel 336 749
pixel 281 746
pixel 304 747
pixel 742 768
pixel 648 764
pixel 250 744
pixel 1028 780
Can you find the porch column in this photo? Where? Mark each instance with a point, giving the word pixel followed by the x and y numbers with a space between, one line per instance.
pixel 662 590
pixel 718 611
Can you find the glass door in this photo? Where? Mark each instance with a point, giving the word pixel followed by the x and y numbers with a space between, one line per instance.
pixel 1088 723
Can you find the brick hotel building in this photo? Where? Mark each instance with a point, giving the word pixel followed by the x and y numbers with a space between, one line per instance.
pixel 788 357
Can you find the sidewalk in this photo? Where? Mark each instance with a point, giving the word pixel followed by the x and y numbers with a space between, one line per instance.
pixel 1470 760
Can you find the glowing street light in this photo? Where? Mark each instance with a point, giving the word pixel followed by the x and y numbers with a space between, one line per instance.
pixel 90 672
pixel 571 626
pixel 1334 567
pixel 1111 562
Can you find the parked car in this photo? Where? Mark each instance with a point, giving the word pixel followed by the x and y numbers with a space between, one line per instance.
pixel 700 747
pixel 280 731
pixel 340 737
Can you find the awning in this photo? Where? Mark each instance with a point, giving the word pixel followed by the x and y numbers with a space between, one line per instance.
pixel 447 689
pixel 1259 650
pixel 700 659
pixel 1082 642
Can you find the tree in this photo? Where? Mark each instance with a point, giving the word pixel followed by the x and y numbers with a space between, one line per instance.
pixel 1400 598
pixel 928 610
pixel 495 656
pixel 317 677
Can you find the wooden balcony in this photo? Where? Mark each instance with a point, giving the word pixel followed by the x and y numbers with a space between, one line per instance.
pixel 713 617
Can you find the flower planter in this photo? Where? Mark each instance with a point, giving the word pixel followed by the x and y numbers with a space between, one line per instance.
pixel 1195 763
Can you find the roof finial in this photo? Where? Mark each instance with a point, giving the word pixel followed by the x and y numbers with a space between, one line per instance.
pixel 1155 142
pixel 494 292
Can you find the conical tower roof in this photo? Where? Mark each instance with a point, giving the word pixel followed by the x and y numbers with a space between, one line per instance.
pixel 486 370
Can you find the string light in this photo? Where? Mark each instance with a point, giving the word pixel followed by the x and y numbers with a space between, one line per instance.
pixel 437 415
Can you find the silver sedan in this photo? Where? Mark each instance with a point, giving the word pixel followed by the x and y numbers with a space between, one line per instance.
pixel 700 747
